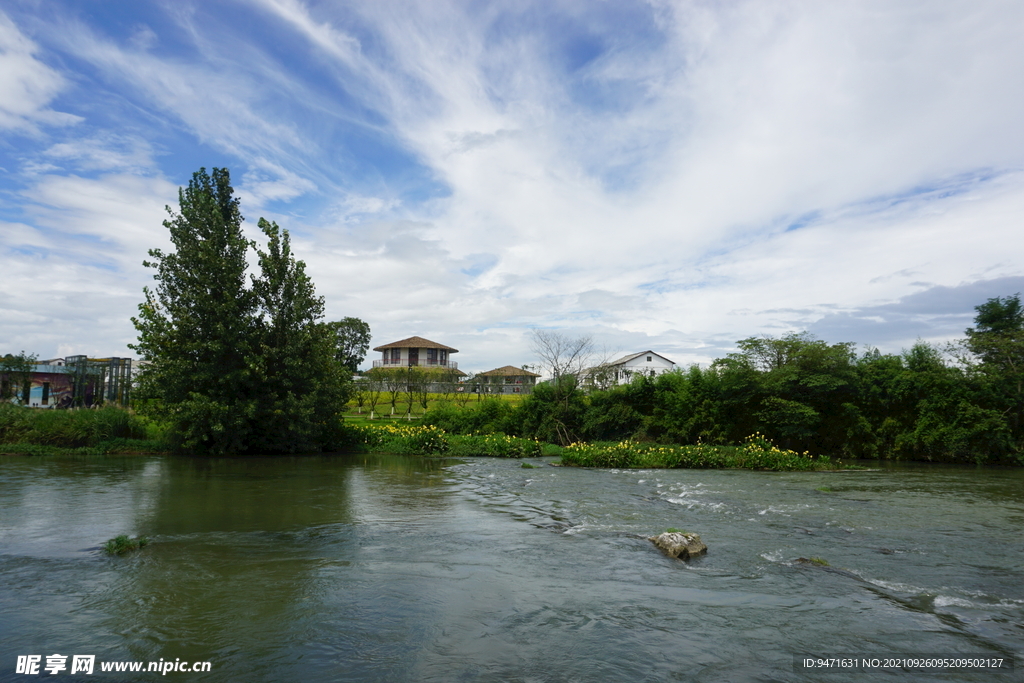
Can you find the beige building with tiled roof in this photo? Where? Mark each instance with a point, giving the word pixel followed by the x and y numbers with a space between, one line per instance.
pixel 507 380
pixel 415 352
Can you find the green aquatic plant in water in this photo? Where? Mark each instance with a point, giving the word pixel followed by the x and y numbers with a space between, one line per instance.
pixel 122 544
pixel 824 489
pixel 820 561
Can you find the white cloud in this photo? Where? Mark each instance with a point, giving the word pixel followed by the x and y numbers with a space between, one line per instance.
pixel 27 85
pixel 75 277
pixel 105 152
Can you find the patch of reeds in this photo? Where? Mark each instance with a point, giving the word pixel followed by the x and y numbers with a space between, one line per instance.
pixel 71 429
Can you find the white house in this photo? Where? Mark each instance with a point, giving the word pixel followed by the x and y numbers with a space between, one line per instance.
pixel 621 371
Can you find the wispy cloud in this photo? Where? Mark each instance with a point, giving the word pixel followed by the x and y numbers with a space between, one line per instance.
pixel 27 85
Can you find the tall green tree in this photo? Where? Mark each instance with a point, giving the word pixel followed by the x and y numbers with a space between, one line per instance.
pixel 351 342
pixel 302 388
pixel 235 367
pixel 996 360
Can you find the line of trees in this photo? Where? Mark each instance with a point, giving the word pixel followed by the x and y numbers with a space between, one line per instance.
pixel 407 387
pixel 960 403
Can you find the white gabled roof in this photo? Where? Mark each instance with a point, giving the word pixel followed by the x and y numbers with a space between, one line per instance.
pixel 626 359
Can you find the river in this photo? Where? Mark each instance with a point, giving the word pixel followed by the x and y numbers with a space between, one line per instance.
pixel 393 568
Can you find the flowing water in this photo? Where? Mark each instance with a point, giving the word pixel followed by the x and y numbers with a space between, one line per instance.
pixel 392 568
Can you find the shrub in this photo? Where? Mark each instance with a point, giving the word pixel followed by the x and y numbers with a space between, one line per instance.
pixel 430 440
pixel 122 544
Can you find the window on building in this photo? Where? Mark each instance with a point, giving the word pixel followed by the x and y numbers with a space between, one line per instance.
pixel 432 356
pixel 46 393
pixel 648 359
pixel 396 355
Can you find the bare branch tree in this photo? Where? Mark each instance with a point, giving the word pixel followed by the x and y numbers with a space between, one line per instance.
pixel 561 355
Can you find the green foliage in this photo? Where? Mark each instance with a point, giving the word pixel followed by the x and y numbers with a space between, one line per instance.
pixel 490 416
pixel 68 428
pixel 234 366
pixel 756 453
pixel 122 544
pixel 430 440
pixel 995 363
pixel 351 342
pixel 15 372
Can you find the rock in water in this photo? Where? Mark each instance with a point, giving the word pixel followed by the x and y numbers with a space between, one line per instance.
pixel 683 546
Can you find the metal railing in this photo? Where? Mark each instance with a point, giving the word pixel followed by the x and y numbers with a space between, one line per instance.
pixel 405 363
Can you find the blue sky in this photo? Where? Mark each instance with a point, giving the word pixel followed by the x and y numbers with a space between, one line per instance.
pixel 671 176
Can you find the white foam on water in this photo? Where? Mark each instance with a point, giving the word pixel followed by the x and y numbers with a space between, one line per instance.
pixel 948 600
pixel 784 510
pixel 894 585
pixel 774 556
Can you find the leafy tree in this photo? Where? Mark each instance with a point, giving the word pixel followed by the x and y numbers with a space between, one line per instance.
pixel 234 368
pixel 15 374
pixel 352 340
pixel 996 360
pixel 302 389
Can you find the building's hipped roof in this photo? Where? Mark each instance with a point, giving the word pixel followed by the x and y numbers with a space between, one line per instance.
pixel 415 343
pixel 507 371
pixel 626 359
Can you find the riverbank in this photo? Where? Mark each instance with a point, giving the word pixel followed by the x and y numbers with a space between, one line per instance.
pixel 112 447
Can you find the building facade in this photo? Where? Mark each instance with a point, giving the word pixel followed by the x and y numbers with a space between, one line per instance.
pixel 72 382
pixel 415 352
pixel 623 370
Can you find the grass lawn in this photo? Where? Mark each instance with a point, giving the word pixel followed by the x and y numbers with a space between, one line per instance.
pixel 383 408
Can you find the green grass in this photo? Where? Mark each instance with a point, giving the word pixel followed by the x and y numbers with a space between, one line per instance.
pixel 756 453
pixel 673 530
pixel 383 408
pixel 122 544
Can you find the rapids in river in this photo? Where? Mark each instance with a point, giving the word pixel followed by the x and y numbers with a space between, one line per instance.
pixel 393 568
